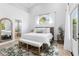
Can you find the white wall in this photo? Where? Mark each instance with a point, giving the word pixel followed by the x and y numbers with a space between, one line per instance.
pixel 50 8
pixel 15 13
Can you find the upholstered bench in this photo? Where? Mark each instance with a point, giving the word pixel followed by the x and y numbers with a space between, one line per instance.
pixel 32 43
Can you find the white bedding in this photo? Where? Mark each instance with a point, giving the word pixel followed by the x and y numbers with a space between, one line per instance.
pixel 5 32
pixel 39 37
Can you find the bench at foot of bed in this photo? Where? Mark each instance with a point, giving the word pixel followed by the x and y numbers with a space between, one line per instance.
pixel 33 46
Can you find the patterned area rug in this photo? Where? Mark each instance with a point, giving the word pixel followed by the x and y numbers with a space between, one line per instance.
pixel 16 51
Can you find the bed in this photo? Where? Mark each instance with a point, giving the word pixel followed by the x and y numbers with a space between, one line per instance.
pixel 37 38
pixel 39 35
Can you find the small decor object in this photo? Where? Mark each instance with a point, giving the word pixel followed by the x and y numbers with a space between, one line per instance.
pixel 60 36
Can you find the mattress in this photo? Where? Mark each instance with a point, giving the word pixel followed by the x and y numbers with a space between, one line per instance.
pixel 39 37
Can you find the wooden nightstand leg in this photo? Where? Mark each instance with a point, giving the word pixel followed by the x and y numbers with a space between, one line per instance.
pixel 39 50
pixel 42 47
pixel 27 49
pixel 19 44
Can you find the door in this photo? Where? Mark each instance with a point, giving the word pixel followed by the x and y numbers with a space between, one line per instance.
pixel 78 30
pixel 74 30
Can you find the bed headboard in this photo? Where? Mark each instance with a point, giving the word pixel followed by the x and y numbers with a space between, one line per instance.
pixel 51 29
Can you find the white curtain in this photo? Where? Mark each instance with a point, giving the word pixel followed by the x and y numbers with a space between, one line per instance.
pixel 67 39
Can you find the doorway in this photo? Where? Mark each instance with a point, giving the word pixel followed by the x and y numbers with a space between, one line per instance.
pixel 74 30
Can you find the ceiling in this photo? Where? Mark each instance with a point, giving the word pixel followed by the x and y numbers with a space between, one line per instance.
pixel 28 6
pixel 23 6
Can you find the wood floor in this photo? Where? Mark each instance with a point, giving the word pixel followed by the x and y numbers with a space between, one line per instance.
pixel 62 51
pixel 1 41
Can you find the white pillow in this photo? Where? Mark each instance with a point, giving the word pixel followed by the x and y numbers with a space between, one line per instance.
pixel 42 30
pixel 47 30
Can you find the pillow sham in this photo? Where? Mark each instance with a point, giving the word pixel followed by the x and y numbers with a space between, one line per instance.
pixel 42 30
pixel 38 30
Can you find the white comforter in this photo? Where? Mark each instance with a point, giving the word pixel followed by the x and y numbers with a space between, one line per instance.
pixel 39 37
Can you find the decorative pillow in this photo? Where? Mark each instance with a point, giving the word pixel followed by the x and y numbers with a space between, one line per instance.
pixel 42 30
pixel 47 30
pixel 38 30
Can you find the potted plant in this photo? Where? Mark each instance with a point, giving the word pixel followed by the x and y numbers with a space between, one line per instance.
pixel 60 36
pixel 61 32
